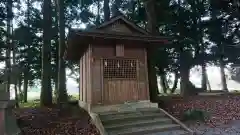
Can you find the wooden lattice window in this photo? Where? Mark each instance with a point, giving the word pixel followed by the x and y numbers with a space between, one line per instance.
pixel 120 68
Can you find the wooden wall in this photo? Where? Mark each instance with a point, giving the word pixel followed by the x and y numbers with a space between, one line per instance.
pixel 141 55
pixel 111 91
pixel 85 76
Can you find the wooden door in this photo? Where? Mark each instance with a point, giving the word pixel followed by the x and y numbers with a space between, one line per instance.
pixel 120 91
pixel 120 81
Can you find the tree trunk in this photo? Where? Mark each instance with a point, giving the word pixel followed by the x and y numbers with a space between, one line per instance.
pixel 16 96
pixel 175 83
pixel 133 14
pixel 46 90
pixel 204 77
pixel 116 7
pixel 20 84
pixel 106 10
pixel 25 87
pixel 26 72
pixel 152 27
pixel 98 13
pixel 223 76
pixel 163 83
pixel 8 41
pixel 184 73
pixel 55 76
pixel 15 80
pixel 62 93
pixel 208 84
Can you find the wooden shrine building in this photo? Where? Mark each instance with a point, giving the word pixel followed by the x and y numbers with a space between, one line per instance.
pixel 113 61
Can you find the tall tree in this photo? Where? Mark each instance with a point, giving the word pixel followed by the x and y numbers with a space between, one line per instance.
pixel 46 90
pixel 151 51
pixel 26 70
pixel 106 10
pixel 62 93
pixel 8 41
pixel 116 7
pixel 218 30
pixel 56 45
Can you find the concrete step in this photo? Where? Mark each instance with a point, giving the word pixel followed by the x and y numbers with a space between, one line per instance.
pixel 145 129
pixel 141 110
pixel 113 114
pixel 137 123
pixel 172 132
pixel 148 109
pixel 130 117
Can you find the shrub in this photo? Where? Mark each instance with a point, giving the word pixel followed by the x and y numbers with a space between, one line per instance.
pixel 195 115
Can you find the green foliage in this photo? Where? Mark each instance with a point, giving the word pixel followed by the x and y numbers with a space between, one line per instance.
pixel 194 40
pixel 30 104
pixel 195 115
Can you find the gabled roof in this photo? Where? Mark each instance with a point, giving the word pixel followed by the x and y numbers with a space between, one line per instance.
pixel 118 29
pixel 123 19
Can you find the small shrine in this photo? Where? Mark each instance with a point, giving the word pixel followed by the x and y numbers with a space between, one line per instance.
pixel 113 61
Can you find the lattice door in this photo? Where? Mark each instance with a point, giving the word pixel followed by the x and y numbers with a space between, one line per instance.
pixel 120 80
pixel 120 68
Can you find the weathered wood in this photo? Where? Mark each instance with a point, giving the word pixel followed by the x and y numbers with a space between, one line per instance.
pixel 113 61
pixel 118 29
pixel 119 50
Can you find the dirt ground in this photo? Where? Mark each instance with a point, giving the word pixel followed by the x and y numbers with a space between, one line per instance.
pixel 222 109
pixel 224 113
pixel 55 121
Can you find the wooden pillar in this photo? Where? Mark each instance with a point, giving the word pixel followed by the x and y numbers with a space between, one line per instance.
pixel 81 79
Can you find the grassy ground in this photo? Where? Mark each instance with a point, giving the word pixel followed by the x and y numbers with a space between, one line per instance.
pixel 36 103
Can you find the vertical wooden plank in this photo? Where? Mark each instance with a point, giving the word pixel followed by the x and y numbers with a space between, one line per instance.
pixel 146 74
pixel 84 79
pixel 102 81
pixel 88 79
pixel 96 82
pixel 138 81
pixel 81 79
pixel 86 76
pixel 89 73
pixel 119 50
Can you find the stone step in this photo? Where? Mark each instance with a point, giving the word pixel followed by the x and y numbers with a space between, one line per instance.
pixel 148 109
pixel 141 110
pixel 130 117
pixel 172 132
pixel 115 113
pixel 137 123
pixel 145 129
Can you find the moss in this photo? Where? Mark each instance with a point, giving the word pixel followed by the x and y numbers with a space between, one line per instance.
pixel 195 115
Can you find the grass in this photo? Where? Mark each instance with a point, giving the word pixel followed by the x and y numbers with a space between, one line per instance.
pixel 36 103
pixel 30 104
